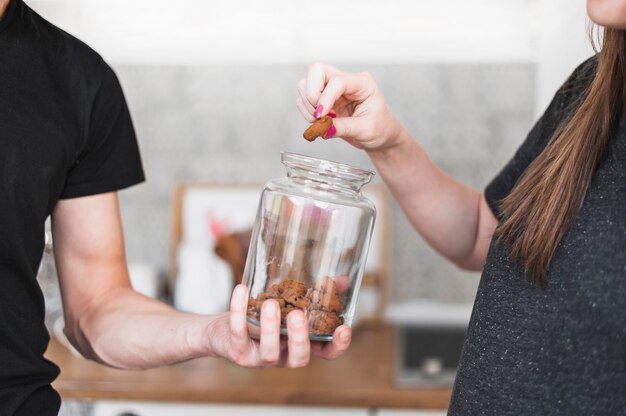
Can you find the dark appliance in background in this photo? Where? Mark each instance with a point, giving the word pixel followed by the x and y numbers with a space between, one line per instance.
pixel 428 356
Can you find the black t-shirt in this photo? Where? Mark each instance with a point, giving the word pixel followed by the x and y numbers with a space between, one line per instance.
pixel 561 349
pixel 65 132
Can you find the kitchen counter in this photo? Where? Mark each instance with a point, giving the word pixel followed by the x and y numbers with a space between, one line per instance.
pixel 362 377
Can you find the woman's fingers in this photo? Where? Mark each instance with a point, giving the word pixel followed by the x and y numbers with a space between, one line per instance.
pixel 299 346
pixel 356 88
pixel 238 324
pixel 318 76
pixel 350 128
pixel 270 332
pixel 364 120
pixel 340 343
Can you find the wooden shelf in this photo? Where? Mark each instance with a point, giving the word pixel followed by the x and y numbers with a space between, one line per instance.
pixel 363 377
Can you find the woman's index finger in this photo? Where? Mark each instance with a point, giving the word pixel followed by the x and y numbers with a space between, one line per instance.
pixel 317 77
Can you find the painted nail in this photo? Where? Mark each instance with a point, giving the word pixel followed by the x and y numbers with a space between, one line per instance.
pixel 331 114
pixel 318 111
pixel 330 133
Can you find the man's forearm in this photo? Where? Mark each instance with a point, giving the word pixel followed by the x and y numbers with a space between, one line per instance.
pixel 3 7
pixel 128 330
pixel 446 213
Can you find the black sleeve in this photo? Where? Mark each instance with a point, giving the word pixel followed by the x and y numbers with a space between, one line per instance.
pixel 563 104
pixel 110 159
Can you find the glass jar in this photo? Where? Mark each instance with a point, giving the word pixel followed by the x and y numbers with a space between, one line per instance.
pixel 309 244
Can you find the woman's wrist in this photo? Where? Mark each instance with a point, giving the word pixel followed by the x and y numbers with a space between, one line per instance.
pixel 394 147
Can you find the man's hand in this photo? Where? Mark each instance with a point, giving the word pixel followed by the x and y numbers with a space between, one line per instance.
pixel 229 337
pixel 109 322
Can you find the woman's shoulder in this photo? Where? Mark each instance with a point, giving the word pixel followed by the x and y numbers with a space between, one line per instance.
pixel 587 68
pixel 577 84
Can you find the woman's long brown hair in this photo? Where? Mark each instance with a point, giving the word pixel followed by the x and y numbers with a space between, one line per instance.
pixel 548 196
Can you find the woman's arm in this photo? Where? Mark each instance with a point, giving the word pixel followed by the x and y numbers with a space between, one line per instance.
pixel 109 322
pixel 453 218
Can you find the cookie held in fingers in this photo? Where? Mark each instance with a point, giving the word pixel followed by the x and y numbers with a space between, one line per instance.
pixel 318 128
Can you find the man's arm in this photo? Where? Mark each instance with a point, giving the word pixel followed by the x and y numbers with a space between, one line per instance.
pixel 109 322
pixel 105 319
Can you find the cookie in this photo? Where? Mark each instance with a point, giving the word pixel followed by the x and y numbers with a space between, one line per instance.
pixel 318 128
pixel 293 287
pixel 329 301
pixel 323 303
pixel 322 322
pixel 326 285
pixel 299 301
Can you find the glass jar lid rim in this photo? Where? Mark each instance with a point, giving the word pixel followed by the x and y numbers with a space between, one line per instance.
pixel 326 165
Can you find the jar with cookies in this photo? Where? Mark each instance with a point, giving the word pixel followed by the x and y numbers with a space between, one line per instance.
pixel 309 243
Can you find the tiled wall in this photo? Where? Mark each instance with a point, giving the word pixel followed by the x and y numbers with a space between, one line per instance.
pixel 229 123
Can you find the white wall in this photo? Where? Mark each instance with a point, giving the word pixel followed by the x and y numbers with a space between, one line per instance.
pixel 551 33
pixel 200 31
pixel 562 44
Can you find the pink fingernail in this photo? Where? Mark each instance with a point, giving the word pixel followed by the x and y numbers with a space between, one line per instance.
pixel 330 133
pixel 331 114
pixel 318 111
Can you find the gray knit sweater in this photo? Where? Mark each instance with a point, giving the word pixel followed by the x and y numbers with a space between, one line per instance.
pixel 558 349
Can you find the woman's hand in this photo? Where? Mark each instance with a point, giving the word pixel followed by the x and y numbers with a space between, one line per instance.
pixel 229 337
pixel 362 117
